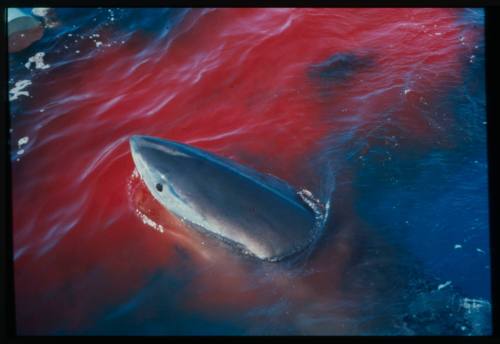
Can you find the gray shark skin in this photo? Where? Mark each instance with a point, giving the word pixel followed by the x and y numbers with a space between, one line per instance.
pixel 257 213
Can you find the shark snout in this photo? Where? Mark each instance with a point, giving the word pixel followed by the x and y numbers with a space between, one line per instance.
pixel 136 142
pixel 141 145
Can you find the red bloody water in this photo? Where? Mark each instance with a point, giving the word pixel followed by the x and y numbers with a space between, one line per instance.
pixel 237 82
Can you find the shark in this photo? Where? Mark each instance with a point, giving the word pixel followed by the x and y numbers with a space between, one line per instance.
pixel 255 213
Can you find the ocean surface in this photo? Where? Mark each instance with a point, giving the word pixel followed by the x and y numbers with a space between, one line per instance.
pixel 380 112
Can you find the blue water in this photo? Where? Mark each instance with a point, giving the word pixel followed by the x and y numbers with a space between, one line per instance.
pixel 436 201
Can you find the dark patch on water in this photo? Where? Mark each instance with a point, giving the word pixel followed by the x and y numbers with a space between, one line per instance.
pixel 155 310
pixel 341 66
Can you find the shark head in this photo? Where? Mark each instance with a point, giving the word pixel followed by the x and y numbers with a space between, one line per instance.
pixel 162 166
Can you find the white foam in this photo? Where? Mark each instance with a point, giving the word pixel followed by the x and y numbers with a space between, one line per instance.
pixel 312 202
pixel 147 221
pixel 473 304
pixel 40 11
pixel 320 210
pixel 444 285
pixel 22 141
pixel 18 90
pixel 37 59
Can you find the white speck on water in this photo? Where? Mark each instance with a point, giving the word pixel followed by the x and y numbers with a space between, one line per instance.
pixel 444 285
pixel 457 246
pixel 98 44
pixel 307 193
pixel 474 304
pixel 18 159
pixel 463 328
pixel 485 122
pixel 406 91
pixel 20 152
pixel 70 35
pixel 17 91
pixel 11 130
pixel 476 161
pixel 461 39
pixel 22 141
pixel 147 221
pixel 78 51
pixel 42 110
pixel 480 251
pixel 407 222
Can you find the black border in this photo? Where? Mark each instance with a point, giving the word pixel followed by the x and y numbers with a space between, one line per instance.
pixel 6 264
pixel 250 3
pixel 492 34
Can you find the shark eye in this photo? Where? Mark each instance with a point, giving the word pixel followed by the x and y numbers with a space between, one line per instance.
pixel 159 187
